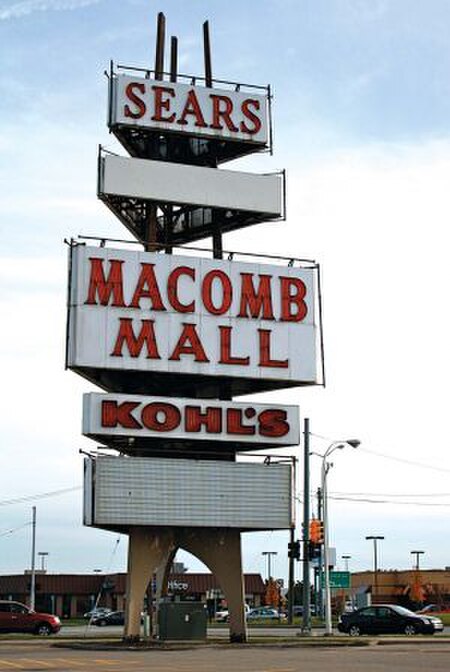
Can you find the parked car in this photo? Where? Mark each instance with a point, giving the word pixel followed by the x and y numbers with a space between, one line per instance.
pixel 113 618
pixel 99 611
pixel 223 615
pixel 387 619
pixel 17 617
pixel 297 610
pixel 434 609
pixel 266 614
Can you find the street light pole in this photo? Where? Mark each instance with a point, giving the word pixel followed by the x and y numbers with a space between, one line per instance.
pixel 43 555
pixel 375 538
pixel 336 445
pixel 33 560
pixel 417 554
pixel 269 556
pixel 346 558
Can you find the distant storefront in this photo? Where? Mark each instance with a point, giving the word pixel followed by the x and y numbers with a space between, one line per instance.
pixel 72 595
pixel 408 588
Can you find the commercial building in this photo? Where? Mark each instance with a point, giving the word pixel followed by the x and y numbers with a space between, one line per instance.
pixel 405 587
pixel 72 595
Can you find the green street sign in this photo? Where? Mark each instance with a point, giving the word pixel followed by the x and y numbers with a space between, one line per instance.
pixel 338 579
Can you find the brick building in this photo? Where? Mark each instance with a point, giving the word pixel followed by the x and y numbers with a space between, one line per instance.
pixel 71 595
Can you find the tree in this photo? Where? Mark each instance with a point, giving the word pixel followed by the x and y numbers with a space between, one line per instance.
pixel 272 595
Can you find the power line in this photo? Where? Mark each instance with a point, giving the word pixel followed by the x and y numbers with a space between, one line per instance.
pixel 43 495
pixel 14 529
pixel 412 463
pixel 403 460
pixel 387 501
pixel 392 494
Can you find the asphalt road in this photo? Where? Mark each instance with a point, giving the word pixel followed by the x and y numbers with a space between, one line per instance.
pixel 36 655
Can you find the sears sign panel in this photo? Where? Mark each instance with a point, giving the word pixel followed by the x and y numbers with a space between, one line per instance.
pixel 120 415
pixel 195 110
pixel 168 314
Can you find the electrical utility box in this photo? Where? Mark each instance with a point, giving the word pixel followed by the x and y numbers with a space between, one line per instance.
pixel 182 620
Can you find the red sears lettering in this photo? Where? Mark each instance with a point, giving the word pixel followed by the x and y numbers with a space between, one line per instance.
pixel 140 108
pixel 250 116
pixel 162 103
pixel 181 106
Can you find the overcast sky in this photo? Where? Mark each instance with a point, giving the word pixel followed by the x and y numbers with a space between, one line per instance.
pixel 362 125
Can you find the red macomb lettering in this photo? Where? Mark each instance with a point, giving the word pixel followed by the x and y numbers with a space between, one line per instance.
pixel 165 417
pixel 256 292
pixel 182 106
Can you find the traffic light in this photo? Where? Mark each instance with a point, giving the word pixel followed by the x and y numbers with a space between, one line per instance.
pixel 316 531
pixel 313 551
pixel 320 534
pixel 294 550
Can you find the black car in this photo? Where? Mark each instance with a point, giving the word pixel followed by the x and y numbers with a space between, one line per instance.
pixel 113 618
pixel 387 619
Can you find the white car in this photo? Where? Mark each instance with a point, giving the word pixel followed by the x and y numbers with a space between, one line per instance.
pixel 265 613
pixel 223 615
pixel 95 613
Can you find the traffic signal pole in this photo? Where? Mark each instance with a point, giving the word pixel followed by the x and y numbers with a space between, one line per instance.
pixel 291 576
pixel 320 572
pixel 306 621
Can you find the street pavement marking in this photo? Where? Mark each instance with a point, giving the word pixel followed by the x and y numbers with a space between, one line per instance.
pixel 71 661
pixel 36 661
pixel 89 663
pixel 105 661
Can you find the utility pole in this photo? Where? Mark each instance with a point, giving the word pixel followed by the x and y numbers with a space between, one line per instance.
pixel 306 618
pixel 33 560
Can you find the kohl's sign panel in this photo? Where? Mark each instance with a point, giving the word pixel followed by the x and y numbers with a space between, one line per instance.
pixel 146 312
pixel 163 418
pixel 193 110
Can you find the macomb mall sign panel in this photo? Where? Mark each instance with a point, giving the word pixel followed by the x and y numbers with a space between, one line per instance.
pixel 167 314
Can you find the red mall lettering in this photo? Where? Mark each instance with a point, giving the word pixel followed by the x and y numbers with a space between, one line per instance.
pixel 189 343
pixel 166 417
pixel 221 110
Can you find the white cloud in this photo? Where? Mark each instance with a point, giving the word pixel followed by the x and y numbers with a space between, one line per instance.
pixel 15 10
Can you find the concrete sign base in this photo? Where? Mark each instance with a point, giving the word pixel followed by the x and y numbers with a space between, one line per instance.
pixel 151 550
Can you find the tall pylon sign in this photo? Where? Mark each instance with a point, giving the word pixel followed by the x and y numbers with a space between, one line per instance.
pixel 172 334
